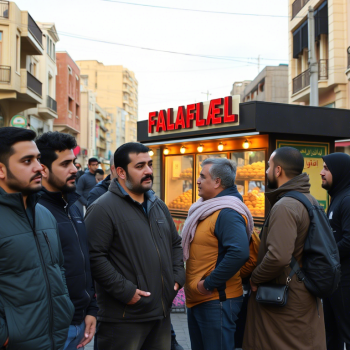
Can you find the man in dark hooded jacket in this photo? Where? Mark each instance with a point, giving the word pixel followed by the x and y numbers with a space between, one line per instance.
pixel 336 180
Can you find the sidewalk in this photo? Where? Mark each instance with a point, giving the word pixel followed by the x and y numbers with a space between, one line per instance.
pixel 179 321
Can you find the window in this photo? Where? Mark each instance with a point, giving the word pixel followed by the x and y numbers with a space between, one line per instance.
pixel 70 70
pixel 17 53
pixel 54 52
pixel 48 45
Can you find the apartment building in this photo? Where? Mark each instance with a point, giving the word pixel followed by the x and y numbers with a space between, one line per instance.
pixel 20 40
pixel 115 87
pixel 270 85
pixel 331 43
pixel 67 95
pixel 239 86
pixel 41 118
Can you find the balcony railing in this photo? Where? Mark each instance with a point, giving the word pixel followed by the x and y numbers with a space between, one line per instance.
pixel 303 80
pixel 4 9
pixel 51 103
pixel 322 69
pixel 5 74
pixel 297 6
pixel 34 84
pixel 35 30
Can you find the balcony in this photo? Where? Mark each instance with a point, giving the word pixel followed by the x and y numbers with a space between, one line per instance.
pixel 297 6
pixel 4 9
pixel 49 109
pixel 31 36
pixel 5 74
pixel 34 84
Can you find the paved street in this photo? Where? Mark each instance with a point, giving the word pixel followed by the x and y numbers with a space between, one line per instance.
pixel 179 321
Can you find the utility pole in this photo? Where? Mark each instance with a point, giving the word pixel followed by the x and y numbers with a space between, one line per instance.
pixel 313 65
pixel 206 93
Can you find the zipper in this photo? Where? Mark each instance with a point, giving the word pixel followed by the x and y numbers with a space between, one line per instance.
pixel 81 251
pixel 49 245
pixel 160 261
pixel 45 273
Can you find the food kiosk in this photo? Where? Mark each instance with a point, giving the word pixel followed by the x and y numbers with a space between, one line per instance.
pixel 181 138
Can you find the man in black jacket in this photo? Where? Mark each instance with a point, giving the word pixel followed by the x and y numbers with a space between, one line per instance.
pixel 136 257
pixel 336 179
pixel 35 310
pixel 58 196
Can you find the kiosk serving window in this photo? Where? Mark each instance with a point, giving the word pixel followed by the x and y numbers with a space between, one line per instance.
pixel 250 179
pixel 178 182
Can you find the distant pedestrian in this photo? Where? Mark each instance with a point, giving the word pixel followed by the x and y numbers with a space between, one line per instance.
pixel 58 195
pixel 80 171
pixel 136 257
pixel 86 183
pixel 336 180
pixel 216 245
pixel 300 323
pixel 35 309
pixel 99 174
pixel 102 187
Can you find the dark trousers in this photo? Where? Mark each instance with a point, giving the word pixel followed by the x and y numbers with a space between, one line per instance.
pixel 152 335
pixel 212 324
pixel 337 319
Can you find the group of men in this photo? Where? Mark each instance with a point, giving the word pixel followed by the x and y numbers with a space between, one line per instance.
pixel 119 268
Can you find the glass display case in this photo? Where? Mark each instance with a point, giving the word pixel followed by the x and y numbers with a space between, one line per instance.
pixel 250 179
pixel 178 182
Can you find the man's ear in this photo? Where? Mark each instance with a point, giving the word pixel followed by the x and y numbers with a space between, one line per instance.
pixel 121 173
pixel 278 171
pixel 45 172
pixel 3 171
pixel 217 183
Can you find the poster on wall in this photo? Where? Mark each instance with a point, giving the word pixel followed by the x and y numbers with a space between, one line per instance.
pixel 313 164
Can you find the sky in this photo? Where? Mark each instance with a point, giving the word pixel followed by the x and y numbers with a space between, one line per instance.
pixel 213 50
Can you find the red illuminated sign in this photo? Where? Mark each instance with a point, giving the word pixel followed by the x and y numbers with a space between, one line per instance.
pixel 219 112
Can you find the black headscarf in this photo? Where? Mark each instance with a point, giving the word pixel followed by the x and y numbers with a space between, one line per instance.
pixel 339 165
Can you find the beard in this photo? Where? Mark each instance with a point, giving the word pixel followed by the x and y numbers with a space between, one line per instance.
pixel 272 183
pixel 60 185
pixel 15 185
pixel 138 187
pixel 326 186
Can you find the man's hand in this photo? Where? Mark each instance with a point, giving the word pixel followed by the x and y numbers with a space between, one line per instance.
pixel 137 296
pixel 202 290
pixel 176 286
pixel 90 328
pixel 253 285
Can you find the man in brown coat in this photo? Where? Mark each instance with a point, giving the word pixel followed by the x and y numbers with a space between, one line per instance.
pixel 299 324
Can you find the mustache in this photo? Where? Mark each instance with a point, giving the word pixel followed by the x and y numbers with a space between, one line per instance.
pixel 73 177
pixel 35 176
pixel 147 177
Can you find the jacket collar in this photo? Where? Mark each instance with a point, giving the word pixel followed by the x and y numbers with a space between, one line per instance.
pixel 56 197
pixel 230 191
pixel 117 189
pixel 105 182
pixel 15 200
pixel 300 183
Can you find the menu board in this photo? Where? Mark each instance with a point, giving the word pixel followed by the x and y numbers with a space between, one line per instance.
pixel 313 165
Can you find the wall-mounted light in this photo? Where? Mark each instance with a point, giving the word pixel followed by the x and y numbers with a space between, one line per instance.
pixel 151 153
pixel 200 148
pixel 221 146
pixel 166 151
pixel 246 144
pixel 183 149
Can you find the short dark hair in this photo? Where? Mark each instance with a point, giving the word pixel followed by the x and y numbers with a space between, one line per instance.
pixel 121 155
pixel 52 141
pixel 290 160
pixel 8 137
pixel 99 171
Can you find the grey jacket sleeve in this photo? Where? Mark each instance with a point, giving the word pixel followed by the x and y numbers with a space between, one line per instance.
pixel 80 190
pixel 100 230
pixel 178 264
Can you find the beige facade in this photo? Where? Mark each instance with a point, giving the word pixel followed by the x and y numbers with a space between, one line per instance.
pixel 270 85
pixel 239 86
pixel 44 67
pixel 331 52
pixel 20 40
pixel 115 87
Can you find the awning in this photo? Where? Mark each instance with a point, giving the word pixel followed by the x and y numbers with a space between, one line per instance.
pixel 342 144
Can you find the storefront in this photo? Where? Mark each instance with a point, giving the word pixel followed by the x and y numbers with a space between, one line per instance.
pixel 247 133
